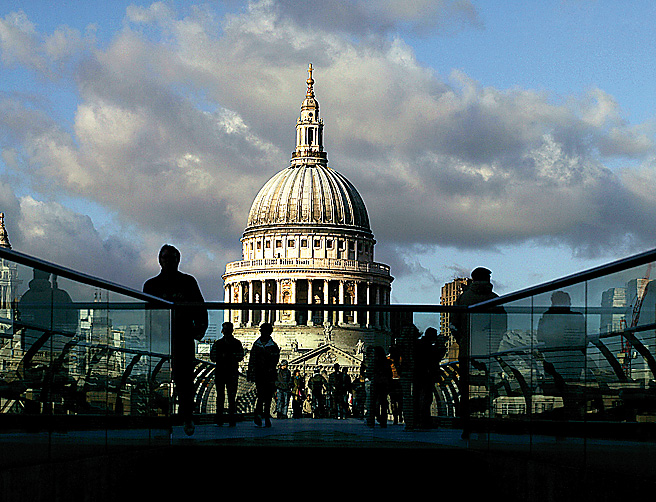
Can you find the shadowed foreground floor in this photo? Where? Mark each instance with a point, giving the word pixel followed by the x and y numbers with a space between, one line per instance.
pixel 326 457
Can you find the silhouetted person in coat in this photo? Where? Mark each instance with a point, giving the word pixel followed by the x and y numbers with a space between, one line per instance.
pixel 187 324
pixel 563 329
pixel 430 350
pixel 381 372
pixel 227 352
pixel 476 333
pixel 336 386
pixel 44 308
pixel 262 370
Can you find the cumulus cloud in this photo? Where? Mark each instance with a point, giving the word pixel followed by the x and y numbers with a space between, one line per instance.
pixel 362 18
pixel 181 119
pixel 22 45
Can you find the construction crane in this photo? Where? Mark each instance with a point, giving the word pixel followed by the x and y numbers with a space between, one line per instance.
pixel 635 317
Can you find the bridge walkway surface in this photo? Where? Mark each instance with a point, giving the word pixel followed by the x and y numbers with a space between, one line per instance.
pixel 324 455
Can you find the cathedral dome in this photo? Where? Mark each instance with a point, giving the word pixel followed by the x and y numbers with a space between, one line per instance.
pixel 308 242
pixel 308 194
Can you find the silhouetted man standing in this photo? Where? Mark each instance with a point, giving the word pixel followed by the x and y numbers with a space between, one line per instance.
pixel 262 369
pixel 562 328
pixel 430 350
pixel 476 333
pixel 227 352
pixel 187 324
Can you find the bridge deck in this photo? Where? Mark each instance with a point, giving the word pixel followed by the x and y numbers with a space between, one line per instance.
pixel 523 467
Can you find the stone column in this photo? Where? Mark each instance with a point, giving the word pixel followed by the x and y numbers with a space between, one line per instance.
pixel 368 303
pixel 226 299
pixel 250 300
pixel 293 286
pixel 326 299
pixel 263 298
pixel 309 301
pixel 378 314
pixel 276 299
pixel 340 317
pixel 388 301
pixel 356 313
pixel 240 299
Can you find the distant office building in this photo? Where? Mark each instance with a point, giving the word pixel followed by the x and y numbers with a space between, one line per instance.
pixel 613 303
pixel 308 241
pixel 96 330
pixel 449 294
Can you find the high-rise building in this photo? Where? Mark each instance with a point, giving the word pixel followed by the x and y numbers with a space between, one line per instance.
pixel 308 241
pixel 613 303
pixel 449 294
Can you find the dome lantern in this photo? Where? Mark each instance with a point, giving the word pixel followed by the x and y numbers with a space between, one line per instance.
pixel 309 128
pixel 308 192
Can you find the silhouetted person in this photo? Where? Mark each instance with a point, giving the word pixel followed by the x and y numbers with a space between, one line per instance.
pixel 227 352
pixel 317 384
pixel 359 394
pixel 381 372
pixel 430 349
pixel 476 333
pixel 327 396
pixel 307 407
pixel 561 328
pixel 485 329
pixel 346 383
pixel 283 390
pixel 336 385
pixel 262 365
pixel 187 324
pixel 45 308
pixel 298 394
pixel 396 392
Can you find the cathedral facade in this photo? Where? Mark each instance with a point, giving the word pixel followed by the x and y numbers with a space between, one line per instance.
pixel 308 242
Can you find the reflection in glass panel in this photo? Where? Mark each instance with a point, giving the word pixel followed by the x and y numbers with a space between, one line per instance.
pixel 621 332
pixel 560 353
pixel 70 348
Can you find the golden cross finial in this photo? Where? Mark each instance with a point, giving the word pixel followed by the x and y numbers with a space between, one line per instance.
pixel 310 81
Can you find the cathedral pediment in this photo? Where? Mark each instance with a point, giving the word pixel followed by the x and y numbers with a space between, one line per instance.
pixel 326 356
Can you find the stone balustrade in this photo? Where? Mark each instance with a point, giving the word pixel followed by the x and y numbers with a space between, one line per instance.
pixel 328 264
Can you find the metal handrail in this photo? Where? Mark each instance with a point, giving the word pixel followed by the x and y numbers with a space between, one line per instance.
pixel 577 278
pixel 73 275
pixel 593 273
